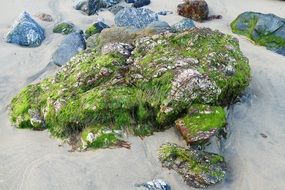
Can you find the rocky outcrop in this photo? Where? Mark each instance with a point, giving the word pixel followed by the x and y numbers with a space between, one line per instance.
pixel 195 9
pixel 135 17
pixel 139 85
pixel 264 29
pixel 26 32
pixel 70 46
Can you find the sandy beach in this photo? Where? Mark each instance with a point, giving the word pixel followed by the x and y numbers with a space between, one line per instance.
pixel 31 160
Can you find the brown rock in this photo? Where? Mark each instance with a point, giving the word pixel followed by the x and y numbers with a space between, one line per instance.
pixel 44 17
pixel 195 9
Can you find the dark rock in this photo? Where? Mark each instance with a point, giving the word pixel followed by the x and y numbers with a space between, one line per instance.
pixel 95 28
pixel 195 9
pixel 26 32
pixel 88 7
pixel 141 3
pixel 70 46
pixel 135 17
pixel 164 13
pixel 183 25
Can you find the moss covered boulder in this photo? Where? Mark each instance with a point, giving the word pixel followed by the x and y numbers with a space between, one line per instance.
pixel 95 28
pixel 198 168
pixel 138 88
pixel 264 29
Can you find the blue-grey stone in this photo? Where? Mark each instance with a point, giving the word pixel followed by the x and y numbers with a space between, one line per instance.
pixel 70 46
pixel 164 13
pixel 267 24
pixel 141 3
pixel 135 17
pixel 184 24
pixel 159 26
pixel 115 9
pixel 26 32
pixel 156 184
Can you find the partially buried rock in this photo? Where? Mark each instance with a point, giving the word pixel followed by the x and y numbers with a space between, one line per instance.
pixel 183 25
pixel 71 45
pixel 26 32
pixel 264 29
pixel 64 28
pixel 132 17
pixel 95 28
pixel 138 91
pixel 108 3
pixel 198 168
pixel 195 9
pixel 115 9
pixel 156 184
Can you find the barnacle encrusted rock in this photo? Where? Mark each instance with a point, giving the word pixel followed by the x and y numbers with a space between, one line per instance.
pixel 137 88
pixel 198 168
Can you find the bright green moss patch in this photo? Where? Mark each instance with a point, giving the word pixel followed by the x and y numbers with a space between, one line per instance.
pixel 64 28
pixel 201 122
pixel 138 94
pixel 199 169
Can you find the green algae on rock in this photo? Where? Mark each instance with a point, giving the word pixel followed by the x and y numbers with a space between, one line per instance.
pixel 264 29
pixel 198 168
pixel 64 28
pixel 135 88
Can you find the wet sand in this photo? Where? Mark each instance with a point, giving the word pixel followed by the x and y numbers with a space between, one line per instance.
pixel 32 160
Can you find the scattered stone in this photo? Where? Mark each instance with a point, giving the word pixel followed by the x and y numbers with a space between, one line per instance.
pixel 183 25
pixel 135 17
pixel 264 29
pixel 263 135
pixel 199 169
pixel 95 28
pixel 64 28
pixel 108 3
pixel 156 184
pixel 195 9
pixel 44 17
pixel 70 46
pixel 26 32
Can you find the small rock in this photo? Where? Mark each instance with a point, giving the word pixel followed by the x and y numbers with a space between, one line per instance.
pixel 156 184
pixel 64 28
pixel 159 26
pixel 115 9
pixel 88 7
pixel 195 9
pixel 44 17
pixel 164 13
pixel 95 28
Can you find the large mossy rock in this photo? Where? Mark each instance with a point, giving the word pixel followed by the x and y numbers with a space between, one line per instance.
pixel 139 88
pixel 264 29
pixel 198 168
